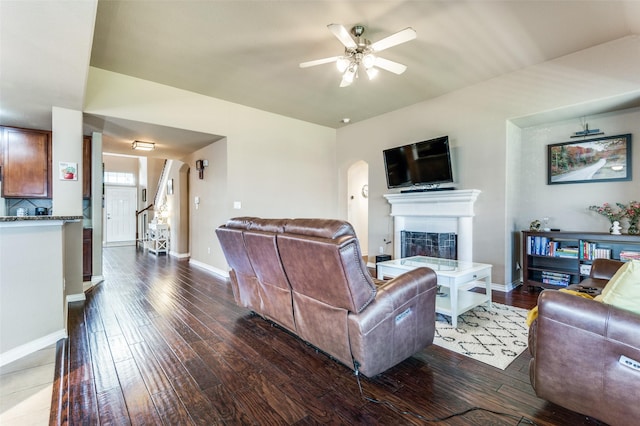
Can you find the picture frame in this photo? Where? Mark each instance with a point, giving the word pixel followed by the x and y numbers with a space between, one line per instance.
pixel 170 187
pixel 603 159
pixel 68 171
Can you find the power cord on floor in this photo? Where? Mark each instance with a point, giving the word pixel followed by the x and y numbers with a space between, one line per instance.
pixel 521 419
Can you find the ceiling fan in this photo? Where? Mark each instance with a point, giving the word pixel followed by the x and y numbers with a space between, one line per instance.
pixel 361 55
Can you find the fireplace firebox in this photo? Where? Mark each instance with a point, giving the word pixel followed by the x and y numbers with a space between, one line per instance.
pixel 432 244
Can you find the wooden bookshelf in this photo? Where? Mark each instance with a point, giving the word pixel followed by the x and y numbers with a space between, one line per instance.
pixel 548 259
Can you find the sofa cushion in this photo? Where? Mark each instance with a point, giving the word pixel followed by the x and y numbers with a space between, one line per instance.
pixel 623 289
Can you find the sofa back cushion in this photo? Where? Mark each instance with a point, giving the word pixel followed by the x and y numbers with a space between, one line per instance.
pixel 244 281
pixel 323 262
pixel 623 289
pixel 275 291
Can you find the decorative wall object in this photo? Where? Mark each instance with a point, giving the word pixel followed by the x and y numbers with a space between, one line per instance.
pixel 68 171
pixel 593 160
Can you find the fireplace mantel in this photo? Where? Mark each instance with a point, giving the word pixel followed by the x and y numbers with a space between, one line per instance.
pixel 437 211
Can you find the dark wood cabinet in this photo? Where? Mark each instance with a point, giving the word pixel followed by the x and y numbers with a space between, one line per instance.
pixel 26 163
pixel 87 254
pixel 86 167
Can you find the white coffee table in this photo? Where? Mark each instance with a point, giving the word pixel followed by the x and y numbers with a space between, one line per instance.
pixel 454 298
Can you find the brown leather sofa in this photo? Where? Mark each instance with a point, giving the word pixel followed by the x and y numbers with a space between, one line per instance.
pixel 308 276
pixel 576 344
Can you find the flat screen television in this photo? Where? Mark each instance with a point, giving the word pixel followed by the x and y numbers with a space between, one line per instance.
pixel 420 164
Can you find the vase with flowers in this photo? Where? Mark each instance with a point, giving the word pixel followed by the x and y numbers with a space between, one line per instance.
pixel 632 212
pixel 610 213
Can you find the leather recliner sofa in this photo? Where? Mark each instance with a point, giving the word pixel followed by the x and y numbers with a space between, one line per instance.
pixel 577 344
pixel 308 276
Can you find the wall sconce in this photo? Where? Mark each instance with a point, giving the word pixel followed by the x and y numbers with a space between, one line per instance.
pixel 143 146
pixel 200 165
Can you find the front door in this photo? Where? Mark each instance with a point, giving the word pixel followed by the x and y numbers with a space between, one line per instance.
pixel 120 203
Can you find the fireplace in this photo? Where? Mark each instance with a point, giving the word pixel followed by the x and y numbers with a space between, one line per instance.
pixel 438 212
pixel 432 244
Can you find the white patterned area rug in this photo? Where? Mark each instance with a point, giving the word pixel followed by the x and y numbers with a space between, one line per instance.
pixel 494 336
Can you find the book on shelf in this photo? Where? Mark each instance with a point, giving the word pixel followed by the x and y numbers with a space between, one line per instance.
pixel 543 246
pixel 626 255
pixel 556 278
pixel 567 252
pixel 585 269
pixel 591 251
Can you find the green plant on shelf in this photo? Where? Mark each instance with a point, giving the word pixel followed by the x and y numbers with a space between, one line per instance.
pixel 608 211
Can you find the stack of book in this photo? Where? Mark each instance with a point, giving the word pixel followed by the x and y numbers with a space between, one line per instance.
pixel 556 278
pixel 567 252
pixel 626 255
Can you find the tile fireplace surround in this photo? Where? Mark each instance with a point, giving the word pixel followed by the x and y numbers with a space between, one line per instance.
pixel 436 211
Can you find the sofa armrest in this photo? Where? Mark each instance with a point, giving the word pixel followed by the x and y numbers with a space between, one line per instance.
pixel 578 345
pixel 397 324
pixel 604 269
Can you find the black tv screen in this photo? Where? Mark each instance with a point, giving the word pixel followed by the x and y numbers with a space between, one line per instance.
pixel 419 164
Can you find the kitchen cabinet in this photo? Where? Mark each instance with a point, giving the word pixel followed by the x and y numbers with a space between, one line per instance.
pixel 86 167
pixel 26 163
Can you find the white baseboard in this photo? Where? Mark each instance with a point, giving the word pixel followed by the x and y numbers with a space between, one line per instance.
pixel 76 297
pixel 31 347
pixel 180 255
pixel 118 243
pixel 219 272
pixel 95 280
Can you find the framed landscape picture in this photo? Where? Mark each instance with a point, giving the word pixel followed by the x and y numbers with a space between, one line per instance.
pixel 603 159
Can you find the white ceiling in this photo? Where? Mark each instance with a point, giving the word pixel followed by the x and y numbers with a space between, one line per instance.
pixel 248 51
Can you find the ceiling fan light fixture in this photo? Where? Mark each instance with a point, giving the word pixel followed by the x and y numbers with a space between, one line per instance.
pixel 368 60
pixel 372 73
pixel 349 75
pixel 342 63
pixel 143 146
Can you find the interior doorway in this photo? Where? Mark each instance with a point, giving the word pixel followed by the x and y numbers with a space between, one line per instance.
pixel 358 203
pixel 120 215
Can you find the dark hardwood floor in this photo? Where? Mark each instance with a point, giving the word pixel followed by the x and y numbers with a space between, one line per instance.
pixel 162 342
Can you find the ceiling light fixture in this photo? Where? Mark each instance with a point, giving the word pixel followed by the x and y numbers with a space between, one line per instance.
pixel 143 146
pixel 361 55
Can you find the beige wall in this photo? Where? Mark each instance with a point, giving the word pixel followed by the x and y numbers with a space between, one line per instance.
pixel 120 163
pixel 67 143
pixel 567 205
pixel 32 299
pixel 275 166
pixel 477 121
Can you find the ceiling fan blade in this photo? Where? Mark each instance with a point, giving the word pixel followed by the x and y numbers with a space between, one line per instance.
pixel 343 35
pixel 400 37
pixel 390 66
pixel 318 62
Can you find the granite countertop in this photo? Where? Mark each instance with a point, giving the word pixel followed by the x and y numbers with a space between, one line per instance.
pixel 38 218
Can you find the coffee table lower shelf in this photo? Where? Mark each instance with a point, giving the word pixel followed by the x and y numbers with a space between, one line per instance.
pixel 467 300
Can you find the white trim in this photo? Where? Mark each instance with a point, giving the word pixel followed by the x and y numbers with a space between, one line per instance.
pixel 180 255
pixel 95 280
pixel 213 269
pixel 438 211
pixel 79 297
pixel 31 347
pixel 24 223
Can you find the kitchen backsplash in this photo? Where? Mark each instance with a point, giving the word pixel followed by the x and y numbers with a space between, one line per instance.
pixel 30 204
